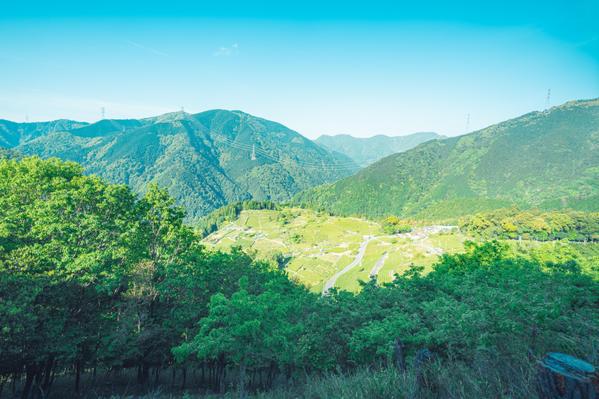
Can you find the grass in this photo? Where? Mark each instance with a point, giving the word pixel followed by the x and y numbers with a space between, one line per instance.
pixel 485 378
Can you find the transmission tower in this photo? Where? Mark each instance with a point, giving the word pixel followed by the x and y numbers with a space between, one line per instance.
pixel 548 99
pixel 467 123
pixel 103 112
pixel 253 157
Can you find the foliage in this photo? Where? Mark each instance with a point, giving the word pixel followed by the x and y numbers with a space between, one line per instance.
pixel 94 277
pixel 534 224
pixel 394 225
pixel 480 306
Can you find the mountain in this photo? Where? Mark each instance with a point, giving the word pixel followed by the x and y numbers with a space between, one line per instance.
pixel 365 151
pixel 542 159
pixel 13 134
pixel 205 160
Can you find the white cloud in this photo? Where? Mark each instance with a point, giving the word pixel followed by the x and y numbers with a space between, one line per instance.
pixel 227 51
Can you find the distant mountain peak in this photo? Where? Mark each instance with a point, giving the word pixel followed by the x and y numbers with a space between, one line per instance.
pixel 367 150
pixel 170 117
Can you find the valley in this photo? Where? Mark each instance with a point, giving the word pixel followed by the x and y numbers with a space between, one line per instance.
pixel 324 252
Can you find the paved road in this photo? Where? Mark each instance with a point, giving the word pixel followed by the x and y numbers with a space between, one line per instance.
pixel 357 260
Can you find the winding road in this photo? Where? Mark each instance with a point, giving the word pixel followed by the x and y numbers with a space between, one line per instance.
pixel 357 260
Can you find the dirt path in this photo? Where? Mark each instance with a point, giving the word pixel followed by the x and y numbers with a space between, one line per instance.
pixel 379 265
pixel 357 260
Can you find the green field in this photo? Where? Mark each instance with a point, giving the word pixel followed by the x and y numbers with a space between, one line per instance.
pixel 318 245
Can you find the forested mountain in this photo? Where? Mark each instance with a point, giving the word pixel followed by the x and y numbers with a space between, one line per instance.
pixel 205 160
pixel 13 134
pixel 542 159
pixel 365 151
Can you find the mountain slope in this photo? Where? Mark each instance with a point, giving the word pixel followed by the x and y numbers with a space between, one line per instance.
pixel 205 160
pixel 542 159
pixel 365 151
pixel 12 134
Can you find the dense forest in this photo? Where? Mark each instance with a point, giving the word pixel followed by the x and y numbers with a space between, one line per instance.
pixel 103 293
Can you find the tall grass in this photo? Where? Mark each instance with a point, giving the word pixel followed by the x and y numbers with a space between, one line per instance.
pixel 487 378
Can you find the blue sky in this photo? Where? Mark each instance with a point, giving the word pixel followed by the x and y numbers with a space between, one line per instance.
pixel 318 67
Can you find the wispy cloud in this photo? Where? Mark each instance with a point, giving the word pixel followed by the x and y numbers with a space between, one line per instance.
pixel 146 48
pixel 587 42
pixel 227 51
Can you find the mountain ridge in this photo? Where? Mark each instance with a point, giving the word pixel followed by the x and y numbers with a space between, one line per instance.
pixel 546 159
pixel 205 160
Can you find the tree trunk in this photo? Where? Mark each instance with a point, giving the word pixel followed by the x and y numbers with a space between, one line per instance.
pixel 14 383
pixel 94 371
pixel 241 385
pixel 77 376
pixel 221 375
pixel 47 374
pixel 184 372
pixel 399 356
pixel 157 376
pixel 145 373
pixel 30 371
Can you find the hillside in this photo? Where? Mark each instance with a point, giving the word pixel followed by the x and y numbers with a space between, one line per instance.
pixel 13 134
pixel 365 151
pixel 205 160
pixel 548 160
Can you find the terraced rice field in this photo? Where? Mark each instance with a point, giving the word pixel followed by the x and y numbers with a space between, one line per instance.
pixel 319 247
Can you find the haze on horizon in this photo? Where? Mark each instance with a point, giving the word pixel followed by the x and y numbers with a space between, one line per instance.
pixel 339 68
